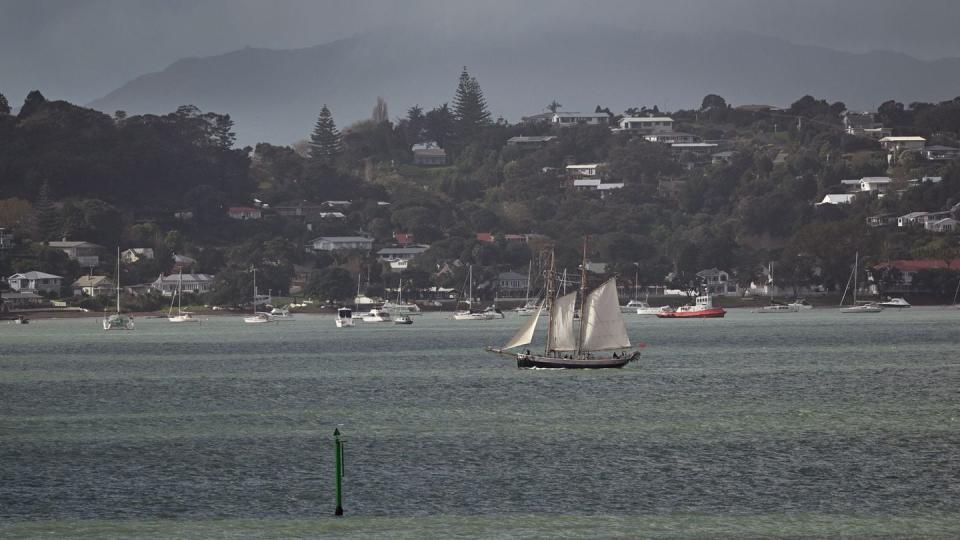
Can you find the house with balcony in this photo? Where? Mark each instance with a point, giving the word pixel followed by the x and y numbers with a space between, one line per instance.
pixel 646 124
pixel 36 282
pixel 882 220
pixel 910 267
pixel 920 219
pixel 299 208
pixel 877 184
pixel 188 283
pixel 717 282
pixel 587 171
pixel 945 225
pixel 855 123
pixel 938 152
pixel 85 253
pixel 511 285
pixel 566 119
pixel 399 257
pixel 93 286
pixel 244 213
pixel 671 137
pixel 341 243
pixel 429 154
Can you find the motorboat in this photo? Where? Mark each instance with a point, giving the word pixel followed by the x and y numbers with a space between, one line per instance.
pixel 344 317
pixel 260 317
pixel 701 309
pixel 633 305
pixel 377 315
pixel 895 303
pixel 646 309
pixel 281 314
pixel 21 320
pixel 863 307
pixel 778 308
pixel 402 319
pixel 800 304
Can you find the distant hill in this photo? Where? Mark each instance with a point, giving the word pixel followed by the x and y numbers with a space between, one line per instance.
pixel 275 95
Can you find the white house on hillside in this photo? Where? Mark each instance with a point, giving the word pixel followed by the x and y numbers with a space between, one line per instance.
pixel 191 283
pixel 35 282
pixel 335 243
pixel 564 119
pixel 646 125
pixel 85 253
pixel 836 198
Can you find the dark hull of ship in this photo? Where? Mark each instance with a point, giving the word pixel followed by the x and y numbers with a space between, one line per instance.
pixel 527 361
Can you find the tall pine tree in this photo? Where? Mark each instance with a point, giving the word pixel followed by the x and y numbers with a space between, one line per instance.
pixel 48 220
pixel 325 140
pixel 469 110
pixel 4 105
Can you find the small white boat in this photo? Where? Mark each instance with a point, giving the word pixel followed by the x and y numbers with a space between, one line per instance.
pixel 402 319
pixel 344 317
pixel 260 317
pixel 895 303
pixel 281 314
pixel 633 305
pixel 866 307
pixel 377 315
pixel 21 320
pixel 647 309
pixel 486 315
pixel 777 308
pixel 800 304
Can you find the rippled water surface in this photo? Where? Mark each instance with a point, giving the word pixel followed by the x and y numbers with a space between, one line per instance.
pixel 809 424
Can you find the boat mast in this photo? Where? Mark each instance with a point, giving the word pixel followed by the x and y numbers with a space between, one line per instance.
pixel 118 280
pixel 551 292
pixel 856 266
pixel 180 293
pixel 470 288
pixel 526 299
pixel 254 291
pixel 583 297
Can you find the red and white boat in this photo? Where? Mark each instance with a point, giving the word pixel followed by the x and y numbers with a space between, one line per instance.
pixel 702 309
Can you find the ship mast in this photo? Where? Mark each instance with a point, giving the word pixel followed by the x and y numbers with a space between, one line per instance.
pixel 583 297
pixel 551 291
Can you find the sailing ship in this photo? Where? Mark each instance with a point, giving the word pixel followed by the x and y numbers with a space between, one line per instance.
pixel 857 307
pixel 181 316
pixel 573 346
pixel 471 314
pixel 118 321
pixel 258 317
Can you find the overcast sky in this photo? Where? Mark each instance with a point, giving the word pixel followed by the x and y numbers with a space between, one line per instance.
pixel 80 50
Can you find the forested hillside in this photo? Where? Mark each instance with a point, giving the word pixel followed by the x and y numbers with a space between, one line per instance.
pixel 168 181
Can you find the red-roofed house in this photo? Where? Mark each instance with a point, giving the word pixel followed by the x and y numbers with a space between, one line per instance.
pixel 485 237
pixel 402 238
pixel 909 268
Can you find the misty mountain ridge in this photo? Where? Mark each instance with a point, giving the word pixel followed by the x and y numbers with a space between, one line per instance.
pixel 275 95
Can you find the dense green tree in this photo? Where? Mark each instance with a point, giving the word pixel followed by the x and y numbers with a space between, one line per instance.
pixel 438 125
pixel 325 139
pixel 48 220
pixel 4 105
pixel 469 110
pixel 334 284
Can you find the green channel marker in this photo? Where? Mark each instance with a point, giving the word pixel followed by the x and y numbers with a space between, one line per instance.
pixel 338 451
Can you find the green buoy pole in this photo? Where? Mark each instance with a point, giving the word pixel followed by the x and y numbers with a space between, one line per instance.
pixel 338 451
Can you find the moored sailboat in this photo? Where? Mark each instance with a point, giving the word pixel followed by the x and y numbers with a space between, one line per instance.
pixel 118 321
pixel 181 316
pixel 258 317
pixel 857 307
pixel 574 346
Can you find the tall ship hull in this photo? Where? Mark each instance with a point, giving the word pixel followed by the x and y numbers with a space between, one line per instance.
pixel 530 361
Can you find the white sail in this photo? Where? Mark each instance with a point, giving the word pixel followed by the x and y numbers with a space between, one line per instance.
pixel 603 326
pixel 525 335
pixel 562 336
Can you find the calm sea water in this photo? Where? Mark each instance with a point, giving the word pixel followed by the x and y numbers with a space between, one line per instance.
pixel 809 424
